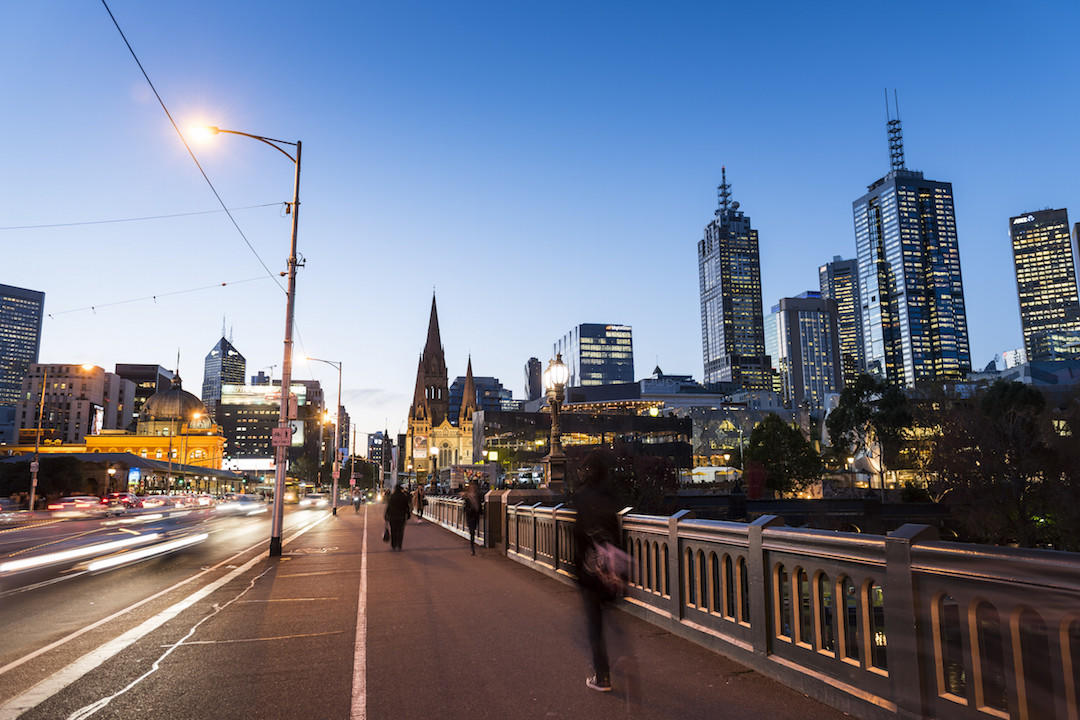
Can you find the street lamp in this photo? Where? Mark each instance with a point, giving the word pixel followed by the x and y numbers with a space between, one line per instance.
pixel 337 430
pixel 555 377
pixel 851 472
pixel 283 437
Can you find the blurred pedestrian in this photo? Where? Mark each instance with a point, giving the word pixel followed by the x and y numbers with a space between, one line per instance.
pixel 601 563
pixel 397 512
pixel 421 501
pixel 473 507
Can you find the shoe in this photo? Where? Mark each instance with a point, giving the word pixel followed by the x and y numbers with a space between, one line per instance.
pixel 599 685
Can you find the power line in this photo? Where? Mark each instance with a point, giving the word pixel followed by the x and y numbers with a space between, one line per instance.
pixel 133 219
pixel 188 148
pixel 95 308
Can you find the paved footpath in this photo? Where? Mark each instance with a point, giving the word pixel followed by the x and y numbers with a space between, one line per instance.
pixel 343 628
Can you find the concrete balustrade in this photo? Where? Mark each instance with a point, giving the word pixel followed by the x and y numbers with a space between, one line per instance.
pixel 897 626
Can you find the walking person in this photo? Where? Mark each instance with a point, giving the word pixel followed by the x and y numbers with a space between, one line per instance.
pixel 601 565
pixel 473 505
pixel 420 501
pixel 397 512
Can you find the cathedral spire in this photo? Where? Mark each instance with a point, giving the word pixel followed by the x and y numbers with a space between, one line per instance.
pixel 468 397
pixel 434 341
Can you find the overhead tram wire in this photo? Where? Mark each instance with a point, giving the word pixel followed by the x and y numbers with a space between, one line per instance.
pixel 273 275
pixel 133 219
pixel 98 306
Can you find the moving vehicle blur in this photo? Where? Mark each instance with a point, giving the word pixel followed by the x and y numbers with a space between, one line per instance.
pixel 315 500
pixel 77 506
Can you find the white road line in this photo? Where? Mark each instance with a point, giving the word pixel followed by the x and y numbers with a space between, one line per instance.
pixel 59 680
pixel 359 683
pixel 307 599
pixel 41 584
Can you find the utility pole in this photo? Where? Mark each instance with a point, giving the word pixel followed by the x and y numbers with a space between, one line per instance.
pixel 37 439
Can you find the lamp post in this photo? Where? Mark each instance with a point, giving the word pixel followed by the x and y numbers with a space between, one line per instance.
pixel 851 472
pixel 337 429
pixel 282 439
pixel 37 440
pixel 109 480
pixel 555 377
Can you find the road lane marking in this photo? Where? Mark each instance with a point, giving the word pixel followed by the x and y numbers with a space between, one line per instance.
pixel 41 584
pixel 359 687
pixel 134 606
pixel 262 639
pixel 65 538
pixel 320 572
pixel 59 680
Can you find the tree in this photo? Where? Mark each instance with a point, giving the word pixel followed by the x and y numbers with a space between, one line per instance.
pixel 871 414
pixel 993 461
pixel 789 460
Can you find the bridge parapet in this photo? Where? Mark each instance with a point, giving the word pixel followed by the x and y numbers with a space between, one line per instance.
pixel 897 626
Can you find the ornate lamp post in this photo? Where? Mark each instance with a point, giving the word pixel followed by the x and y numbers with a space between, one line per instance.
pixel 555 377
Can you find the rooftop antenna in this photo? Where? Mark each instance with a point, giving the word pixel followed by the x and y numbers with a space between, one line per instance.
pixel 895 132
pixel 723 193
pixel 177 362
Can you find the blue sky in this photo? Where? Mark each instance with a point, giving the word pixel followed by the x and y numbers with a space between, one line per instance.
pixel 540 165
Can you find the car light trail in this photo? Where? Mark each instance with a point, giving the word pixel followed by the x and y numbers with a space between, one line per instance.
pixel 146 552
pixel 75 553
pixel 132 520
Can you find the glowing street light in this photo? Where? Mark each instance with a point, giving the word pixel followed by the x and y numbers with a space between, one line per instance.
pixel 337 430
pixel 555 377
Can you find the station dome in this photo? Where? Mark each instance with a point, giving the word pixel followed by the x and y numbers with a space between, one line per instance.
pixel 175 404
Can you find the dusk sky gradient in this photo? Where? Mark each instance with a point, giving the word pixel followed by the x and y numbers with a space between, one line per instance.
pixel 540 165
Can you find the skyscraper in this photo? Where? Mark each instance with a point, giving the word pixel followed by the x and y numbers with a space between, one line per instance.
pixel 20 338
pixel 224 366
pixel 839 280
pixel 148 379
pixel 807 349
pixel 1045 257
pixel 729 277
pixel 911 292
pixel 597 354
pixel 533 383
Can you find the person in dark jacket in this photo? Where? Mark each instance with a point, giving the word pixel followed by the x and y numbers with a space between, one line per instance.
pixel 597 524
pixel 473 503
pixel 397 512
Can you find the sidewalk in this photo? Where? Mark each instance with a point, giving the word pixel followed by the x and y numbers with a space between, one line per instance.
pixel 485 638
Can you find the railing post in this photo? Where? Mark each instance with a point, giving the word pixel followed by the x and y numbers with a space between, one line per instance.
pixel 674 569
pixel 535 530
pixel 909 674
pixel 555 536
pixel 759 572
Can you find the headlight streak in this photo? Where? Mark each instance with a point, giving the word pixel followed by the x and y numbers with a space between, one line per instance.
pixel 134 555
pixel 132 520
pixel 75 553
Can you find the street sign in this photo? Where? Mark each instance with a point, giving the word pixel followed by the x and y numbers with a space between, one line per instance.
pixel 336 474
pixel 34 466
pixel 281 437
pixel 352 482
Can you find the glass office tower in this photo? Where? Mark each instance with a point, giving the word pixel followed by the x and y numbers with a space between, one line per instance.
pixel 839 280
pixel 808 349
pixel 224 365
pixel 729 278
pixel 1045 257
pixel 598 354
pixel 914 321
pixel 20 338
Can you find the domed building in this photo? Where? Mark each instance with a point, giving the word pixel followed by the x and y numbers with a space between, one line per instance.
pixel 174 425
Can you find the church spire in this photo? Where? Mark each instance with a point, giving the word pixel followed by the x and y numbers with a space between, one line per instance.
pixel 468 397
pixel 433 345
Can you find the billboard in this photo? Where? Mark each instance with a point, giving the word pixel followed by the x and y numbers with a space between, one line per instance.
pixel 297 432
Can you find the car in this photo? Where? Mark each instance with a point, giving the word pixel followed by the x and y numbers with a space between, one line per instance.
pixel 315 500
pixel 77 506
pixel 156 501
pixel 121 501
pixel 241 504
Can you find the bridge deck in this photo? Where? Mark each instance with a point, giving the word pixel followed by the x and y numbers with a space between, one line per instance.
pixel 456 636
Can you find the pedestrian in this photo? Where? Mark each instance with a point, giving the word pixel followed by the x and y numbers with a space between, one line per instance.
pixel 420 501
pixel 473 507
pixel 397 512
pixel 601 564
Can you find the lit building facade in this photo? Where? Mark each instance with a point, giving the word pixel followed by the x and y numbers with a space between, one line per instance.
pixel 597 354
pixel 729 279
pixel 148 379
pixel 20 338
pixel 79 400
pixel 839 280
pixel 911 291
pixel 534 387
pixel 1045 257
pixel 490 394
pixel 224 365
pixel 808 349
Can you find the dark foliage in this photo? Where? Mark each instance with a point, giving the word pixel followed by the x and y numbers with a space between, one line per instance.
pixel 789 461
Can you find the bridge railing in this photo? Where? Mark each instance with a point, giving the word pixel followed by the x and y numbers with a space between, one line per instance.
pixel 880 626
pixel 449 511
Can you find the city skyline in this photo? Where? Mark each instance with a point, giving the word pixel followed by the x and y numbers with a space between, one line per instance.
pixel 466 175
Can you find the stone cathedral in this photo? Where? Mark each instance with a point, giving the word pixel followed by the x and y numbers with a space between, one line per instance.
pixel 435 440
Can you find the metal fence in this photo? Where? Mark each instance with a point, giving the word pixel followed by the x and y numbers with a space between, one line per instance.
pixel 890 626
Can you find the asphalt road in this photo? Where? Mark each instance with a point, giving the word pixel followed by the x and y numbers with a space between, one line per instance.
pixel 340 627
